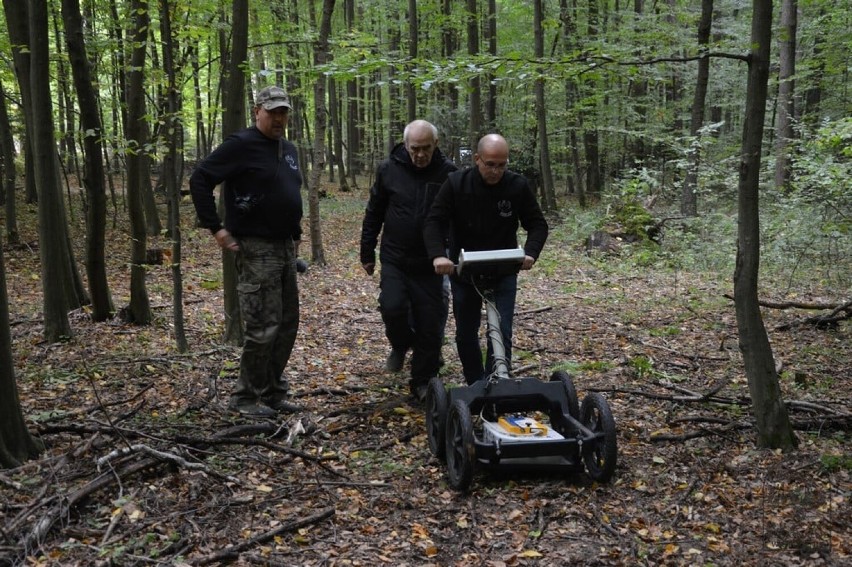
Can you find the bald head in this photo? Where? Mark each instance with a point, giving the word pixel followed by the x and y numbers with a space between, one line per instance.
pixel 492 158
pixel 420 138
pixel 492 142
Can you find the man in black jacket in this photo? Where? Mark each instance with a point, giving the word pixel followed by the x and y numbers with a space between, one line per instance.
pixel 263 212
pixel 411 298
pixel 480 208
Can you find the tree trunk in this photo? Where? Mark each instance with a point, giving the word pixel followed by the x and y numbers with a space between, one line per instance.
pixel 574 121
pixel 689 199
pixel 7 158
pixel 773 424
pixel 590 135
pixel 491 39
pixel 171 171
pixel 810 115
pixel 412 54
pixel 139 310
pixel 395 121
pixel 60 284
pixel 93 177
pixel 475 98
pixel 201 135
pixel 321 56
pixel 637 93
pixel 296 126
pixel 18 28
pixel 233 119
pixel 786 92
pixel 16 443
pixel 546 174
pixel 337 131
pixel 354 136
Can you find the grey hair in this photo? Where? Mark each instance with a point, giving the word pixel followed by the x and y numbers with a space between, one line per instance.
pixel 419 123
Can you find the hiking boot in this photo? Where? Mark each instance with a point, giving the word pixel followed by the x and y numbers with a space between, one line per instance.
pixel 419 390
pixel 251 409
pixel 395 361
pixel 283 406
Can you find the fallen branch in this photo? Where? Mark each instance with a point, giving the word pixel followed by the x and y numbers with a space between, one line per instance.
pixel 10 483
pixel 164 456
pixel 64 505
pixel 797 304
pixel 234 552
pixel 839 312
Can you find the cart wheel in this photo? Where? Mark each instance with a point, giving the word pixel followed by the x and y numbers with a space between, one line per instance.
pixel 459 446
pixel 436 417
pixel 600 456
pixel 570 392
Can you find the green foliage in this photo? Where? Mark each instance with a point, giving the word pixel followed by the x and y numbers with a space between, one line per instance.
pixel 834 463
pixel 807 232
pixel 822 167
pixel 635 219
pixel 667 331
pixel 643 366
pixel 704 244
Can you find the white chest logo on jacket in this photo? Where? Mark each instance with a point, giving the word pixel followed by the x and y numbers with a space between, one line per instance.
pixel 504 208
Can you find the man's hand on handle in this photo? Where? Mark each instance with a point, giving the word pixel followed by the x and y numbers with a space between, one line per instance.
pixel 443 265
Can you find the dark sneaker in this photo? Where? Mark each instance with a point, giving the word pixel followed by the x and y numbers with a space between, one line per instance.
pixel 252 409
pixel 283 406
pixel 396 360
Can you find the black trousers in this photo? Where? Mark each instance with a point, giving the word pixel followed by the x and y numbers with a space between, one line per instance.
pixel 414 312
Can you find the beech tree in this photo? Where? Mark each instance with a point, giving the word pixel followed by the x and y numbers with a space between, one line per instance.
pixel 233 86
pixel 16 442
pixel 7 167
pixel 773 424
pixel 171 166
pixel 689 199
pixel 61 284
pixel 94 177
pixel 546 175
pixel 320 122
pixel 139 310
pixel 786 90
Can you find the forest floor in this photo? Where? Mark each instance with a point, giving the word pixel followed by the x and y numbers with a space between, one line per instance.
pixel 144 465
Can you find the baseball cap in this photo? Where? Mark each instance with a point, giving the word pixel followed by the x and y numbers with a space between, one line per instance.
pixel 273 97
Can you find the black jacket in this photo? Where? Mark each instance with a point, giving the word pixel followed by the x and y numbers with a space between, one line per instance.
pixel 399 201
pixel 482 217
pixel 262 190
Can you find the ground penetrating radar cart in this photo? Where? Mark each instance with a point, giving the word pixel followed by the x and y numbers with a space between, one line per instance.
pixel 511 422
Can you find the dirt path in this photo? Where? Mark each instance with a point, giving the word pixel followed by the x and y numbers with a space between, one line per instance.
pixel 359 485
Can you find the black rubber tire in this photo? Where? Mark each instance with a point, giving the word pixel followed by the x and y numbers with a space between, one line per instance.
pixel 461 452
pixel 600 457
pixel 570 392
pixel 436 417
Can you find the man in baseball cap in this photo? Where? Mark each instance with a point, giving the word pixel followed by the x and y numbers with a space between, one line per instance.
pixel 262 227
pixel 273 97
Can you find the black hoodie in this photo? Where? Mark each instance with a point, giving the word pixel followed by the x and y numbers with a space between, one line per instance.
pixel 262 191
pixel 399 201
pixel 484 217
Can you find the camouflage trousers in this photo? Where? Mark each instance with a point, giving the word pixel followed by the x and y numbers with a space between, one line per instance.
pixel 269 306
